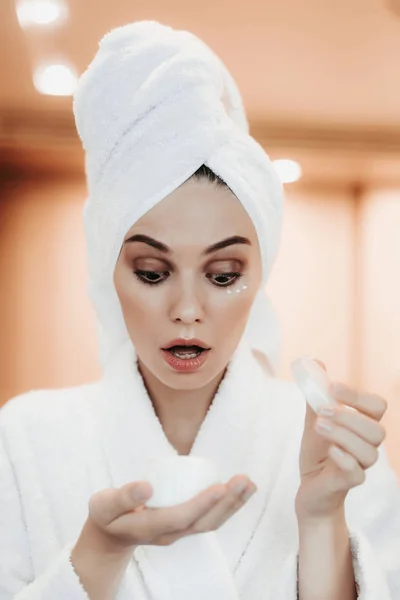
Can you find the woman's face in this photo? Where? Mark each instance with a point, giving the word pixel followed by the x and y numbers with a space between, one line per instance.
pixel 188 273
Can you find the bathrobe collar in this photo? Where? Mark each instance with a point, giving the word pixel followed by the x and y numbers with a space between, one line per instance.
pixel 236 433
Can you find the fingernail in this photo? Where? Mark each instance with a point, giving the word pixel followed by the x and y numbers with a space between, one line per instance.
pixel 326 411
pixel 139 494
pixel 337 452
pixel 324 426
pixel 249 494
pixel 239 488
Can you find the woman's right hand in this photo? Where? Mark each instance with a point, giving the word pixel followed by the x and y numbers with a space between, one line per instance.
pixel 121 519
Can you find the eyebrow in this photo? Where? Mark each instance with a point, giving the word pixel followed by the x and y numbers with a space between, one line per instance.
pixel 230 241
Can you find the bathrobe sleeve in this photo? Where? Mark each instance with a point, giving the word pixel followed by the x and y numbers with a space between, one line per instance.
pixel 373 520
pixel 16 569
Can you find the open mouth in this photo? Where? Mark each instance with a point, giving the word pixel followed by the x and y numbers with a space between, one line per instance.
pixel 186 355
pixel 185 352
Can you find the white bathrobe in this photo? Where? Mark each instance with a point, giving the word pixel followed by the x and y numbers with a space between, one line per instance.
pixel 58 447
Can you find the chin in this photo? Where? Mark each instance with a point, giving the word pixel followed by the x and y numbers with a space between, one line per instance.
pixel 189 381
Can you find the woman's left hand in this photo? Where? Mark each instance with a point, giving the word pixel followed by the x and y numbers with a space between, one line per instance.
pixel 334 458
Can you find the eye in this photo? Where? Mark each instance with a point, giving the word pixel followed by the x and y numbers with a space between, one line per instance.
pixel 224 279
pixel 152 277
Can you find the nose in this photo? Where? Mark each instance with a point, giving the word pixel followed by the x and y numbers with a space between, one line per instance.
pixel 187 307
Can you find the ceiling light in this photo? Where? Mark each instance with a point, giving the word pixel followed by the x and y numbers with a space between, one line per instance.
pixel 288 170
pixel 41 12
pixel 55 79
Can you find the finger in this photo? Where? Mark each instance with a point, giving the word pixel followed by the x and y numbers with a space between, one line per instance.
pixel 236 497
pixel 371 405
pixel 366 454
pixel 175 519
pixel 108 505
pixel 350 473
pixel 169 538
pixel 321 364
pixel 365 427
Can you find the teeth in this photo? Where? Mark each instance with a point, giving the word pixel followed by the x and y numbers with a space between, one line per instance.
pixel 186 355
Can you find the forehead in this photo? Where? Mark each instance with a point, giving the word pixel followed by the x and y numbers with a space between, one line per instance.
pixel 199 213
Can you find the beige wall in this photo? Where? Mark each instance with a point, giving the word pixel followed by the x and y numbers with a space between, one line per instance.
pixel 46 320
pixel 380 304
pixel 312 284
pixel 336 287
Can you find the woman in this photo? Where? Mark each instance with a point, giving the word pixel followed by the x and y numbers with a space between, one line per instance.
pixel 183 221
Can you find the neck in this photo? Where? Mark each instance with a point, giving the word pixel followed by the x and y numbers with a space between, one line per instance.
pixel 180 412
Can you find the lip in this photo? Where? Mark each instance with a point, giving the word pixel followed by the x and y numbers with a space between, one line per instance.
pixel 186 342
pixel 185 365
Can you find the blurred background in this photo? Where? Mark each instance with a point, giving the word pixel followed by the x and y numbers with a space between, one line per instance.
pixel 321 84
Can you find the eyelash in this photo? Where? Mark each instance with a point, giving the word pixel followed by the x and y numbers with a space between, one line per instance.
pixel 141 276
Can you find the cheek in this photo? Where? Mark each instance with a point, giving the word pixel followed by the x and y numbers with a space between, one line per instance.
pixel 233 305
pixel 140 305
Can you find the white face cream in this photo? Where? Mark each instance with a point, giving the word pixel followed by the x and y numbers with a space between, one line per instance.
pixel 238 290
pixel 177 479
pixel 313 381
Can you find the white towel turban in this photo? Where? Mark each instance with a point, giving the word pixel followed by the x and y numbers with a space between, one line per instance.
pixel 152 107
